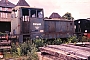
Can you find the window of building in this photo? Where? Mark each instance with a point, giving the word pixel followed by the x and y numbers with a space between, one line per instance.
pixel 9 9
pixel 6 9
pixel 0 8
pixel 1 15
pixel 4 15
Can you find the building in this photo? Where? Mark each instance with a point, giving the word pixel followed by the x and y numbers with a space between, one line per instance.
pixel 22 3
pixel 5 14
pixel 55 16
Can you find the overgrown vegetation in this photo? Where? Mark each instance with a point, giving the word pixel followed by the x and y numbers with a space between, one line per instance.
pixel 29 48
pixel 41 42
pixel 72 39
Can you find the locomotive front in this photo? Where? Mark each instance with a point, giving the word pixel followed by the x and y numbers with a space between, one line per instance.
pixel 28 23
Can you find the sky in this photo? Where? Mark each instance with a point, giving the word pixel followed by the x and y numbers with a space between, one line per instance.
pixel 78 8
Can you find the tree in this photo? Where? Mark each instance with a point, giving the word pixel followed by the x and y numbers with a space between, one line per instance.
pixel 67 16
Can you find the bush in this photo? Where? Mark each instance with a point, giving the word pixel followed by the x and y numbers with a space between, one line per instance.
pixel 50 42
pixel 72 39
pixel 6 54
pixel 39 42
pixel 24 49
pixel 19 51
pixel 84 39
pixel 57 42
pixel 88 39
pixel 33 55
pixel 14 48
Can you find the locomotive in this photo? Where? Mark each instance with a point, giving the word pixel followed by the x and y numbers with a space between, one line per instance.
pixel 82 27
pixel 29 22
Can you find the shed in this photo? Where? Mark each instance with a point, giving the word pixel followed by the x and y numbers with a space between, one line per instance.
pixel 55 15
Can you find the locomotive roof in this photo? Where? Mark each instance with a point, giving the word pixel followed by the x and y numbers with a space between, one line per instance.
pixel 82 20
pixel 17 7
pixel 57 20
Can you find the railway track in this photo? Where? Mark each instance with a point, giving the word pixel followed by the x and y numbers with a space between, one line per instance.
pixel 69 52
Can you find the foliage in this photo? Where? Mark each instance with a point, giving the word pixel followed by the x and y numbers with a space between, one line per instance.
pixel 2 34
pixel 88 39
pixel 24 49
pixel 67 16
pixel 84 39
pixel 49 42
pixel 30 47
pixel 6 55
pixel 39 42
pixel 19 51
pixel 33 55
pixel 57 42
pixel 14 48
pixel 72 39
pixel 14 54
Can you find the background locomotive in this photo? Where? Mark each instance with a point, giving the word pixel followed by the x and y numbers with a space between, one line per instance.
pixel 82 27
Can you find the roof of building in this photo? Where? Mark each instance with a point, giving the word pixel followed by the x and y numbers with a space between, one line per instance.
pixel 6 3
pixel 55 15
pixel 22 3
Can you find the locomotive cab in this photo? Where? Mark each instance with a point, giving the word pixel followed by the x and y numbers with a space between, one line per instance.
pixel 27 22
